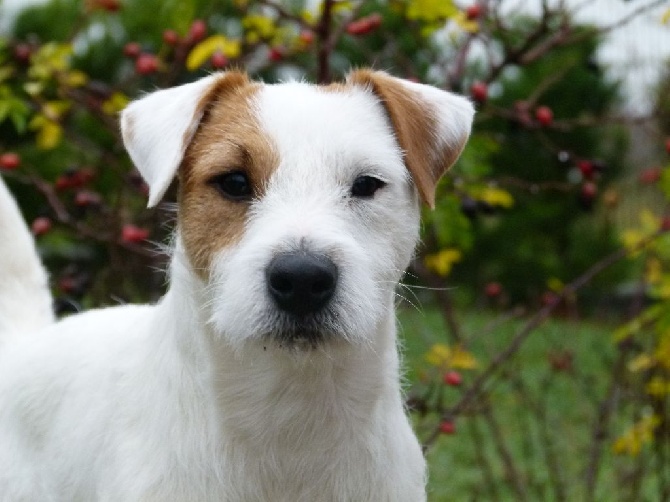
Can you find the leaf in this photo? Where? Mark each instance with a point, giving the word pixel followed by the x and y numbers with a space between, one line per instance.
pixel 438 355
pixel 49 136
pixel 444 357
pixel 496 197
pixel 204 50
pixel 443 261
pixel 631 441
pixel 430 10
pixel 641 363
pixel 468 25
pixel 664 182
pixel 49 133
pixel 75 78
pixel 262 26
pixel 462 359
pixel 116 102
pixel 658 387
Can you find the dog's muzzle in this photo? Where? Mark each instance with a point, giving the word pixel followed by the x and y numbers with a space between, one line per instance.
pixel 301 283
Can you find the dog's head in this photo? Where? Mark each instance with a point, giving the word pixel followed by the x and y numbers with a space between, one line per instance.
pixel 299 204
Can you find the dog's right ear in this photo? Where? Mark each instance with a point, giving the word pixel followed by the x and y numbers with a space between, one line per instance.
pixel 158 128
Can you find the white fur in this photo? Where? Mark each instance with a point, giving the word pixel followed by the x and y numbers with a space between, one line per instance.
pixel 186 400
pixel 25 300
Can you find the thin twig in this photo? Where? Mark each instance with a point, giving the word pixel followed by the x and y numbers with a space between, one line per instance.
pixel 533 323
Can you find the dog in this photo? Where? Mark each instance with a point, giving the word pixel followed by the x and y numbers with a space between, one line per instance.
pixel 269 371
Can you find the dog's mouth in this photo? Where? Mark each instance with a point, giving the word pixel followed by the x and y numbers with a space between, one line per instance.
pixel 304 333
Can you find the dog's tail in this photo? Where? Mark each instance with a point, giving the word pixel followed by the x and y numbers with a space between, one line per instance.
pixel 25 299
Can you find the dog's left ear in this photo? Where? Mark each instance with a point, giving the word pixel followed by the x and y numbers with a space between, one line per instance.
pixel 158 128
pixel 431 125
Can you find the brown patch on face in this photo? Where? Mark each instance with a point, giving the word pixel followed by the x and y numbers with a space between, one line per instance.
pixel 415 127
pixel 228 139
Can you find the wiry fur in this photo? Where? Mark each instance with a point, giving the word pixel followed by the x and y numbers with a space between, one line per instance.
pixel 213 393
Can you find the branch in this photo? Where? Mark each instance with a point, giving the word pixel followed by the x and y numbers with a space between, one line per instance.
pixel 533 323
pixel 325 44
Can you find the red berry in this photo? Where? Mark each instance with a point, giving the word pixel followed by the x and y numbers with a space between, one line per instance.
pixel 665 224
pixel 589 190
pixel 10 160
pixel 365 25
pixel 587 168
pixel 67 284
pixel 132 50
pixel 667 145
pixel 40 225
pixel 109 5
pixel 170 37
pixel 219 60
pixel 479 92
pixel 549 298
pixel 86 198
pixel 493 289
pixel 132 233
pixel 146 64
pixel 276 54
pixel 74 179
pixel 447 427
pixel 22 52
pixel 453 378
pixel 198 31
pixel 473 12
pixel 650 176
pixel 544 115
pixel 306 37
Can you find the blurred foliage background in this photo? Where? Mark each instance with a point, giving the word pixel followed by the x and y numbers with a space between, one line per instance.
pixel 558 208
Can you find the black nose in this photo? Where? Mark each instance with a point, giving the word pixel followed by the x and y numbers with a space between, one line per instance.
pixel 301 283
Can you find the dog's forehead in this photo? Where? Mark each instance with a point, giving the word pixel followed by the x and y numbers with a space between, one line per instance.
pixel 339 119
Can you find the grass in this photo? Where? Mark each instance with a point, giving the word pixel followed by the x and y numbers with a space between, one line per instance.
pixel 531 437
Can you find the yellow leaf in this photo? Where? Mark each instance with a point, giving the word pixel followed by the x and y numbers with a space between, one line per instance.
pixel 631 441
pixel 116 102
pixel 641 363
pixel 555 284
pixel 662 352
pixel 54 110
pixel 631 240
pixel 307 16
pixel 49 133
pixel 650 222
pixel 463 360
pixel 438 355
pixel 653 273
pixel 443 357
pixel 658 387
pixel 462 21
pixel 52 57
pixel 495 197
pixel 204 50
pixel 343 6
pixel 430 10
pixel 263 26
pixel 442 262
pixel 75 78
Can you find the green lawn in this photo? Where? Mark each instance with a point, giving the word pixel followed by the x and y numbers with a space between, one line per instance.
pixel 543 418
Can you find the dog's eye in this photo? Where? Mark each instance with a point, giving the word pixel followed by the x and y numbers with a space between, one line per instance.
pixel 366 186
pixel 234 185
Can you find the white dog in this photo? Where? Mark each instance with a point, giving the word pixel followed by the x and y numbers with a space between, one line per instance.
pixel 269 371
